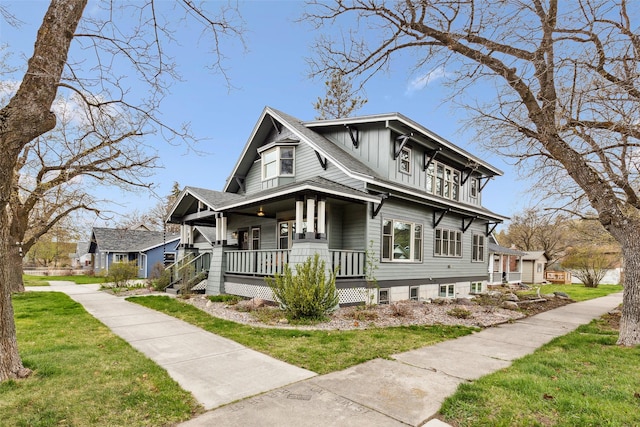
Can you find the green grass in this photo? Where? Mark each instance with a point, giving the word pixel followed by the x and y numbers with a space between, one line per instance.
pixel 30 280
pixel 580 379
pixel 578 292
pixel 84 375
pixel 316 350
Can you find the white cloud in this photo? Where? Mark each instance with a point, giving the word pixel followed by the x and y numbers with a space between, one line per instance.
pixel 422 81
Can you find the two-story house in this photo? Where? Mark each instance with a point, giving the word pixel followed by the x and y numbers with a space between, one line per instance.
pixel 376 196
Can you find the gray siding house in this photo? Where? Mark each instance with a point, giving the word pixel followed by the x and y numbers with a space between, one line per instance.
pixel 381 188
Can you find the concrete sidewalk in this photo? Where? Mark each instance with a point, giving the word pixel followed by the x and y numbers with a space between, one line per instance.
pixel 407 390
pixel 216 370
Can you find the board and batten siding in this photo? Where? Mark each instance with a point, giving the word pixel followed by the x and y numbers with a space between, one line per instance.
pixel 433 267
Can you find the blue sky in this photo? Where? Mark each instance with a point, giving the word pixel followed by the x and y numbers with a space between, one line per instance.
pixel 273 72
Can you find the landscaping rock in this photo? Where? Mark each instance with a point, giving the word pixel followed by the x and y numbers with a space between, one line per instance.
pixel 464 301
pixel 283 321
pixel 209 304
pixel 251 304
pixel 561 295
pixel 509 305
pixel 511 297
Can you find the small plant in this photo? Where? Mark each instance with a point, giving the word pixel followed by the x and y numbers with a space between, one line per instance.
pixel 370 274
pixel 364 313
pixel 400 309
pixel 164 280
pixel 459 313
pixel 121 272
pixel 229 299
pixel 308 294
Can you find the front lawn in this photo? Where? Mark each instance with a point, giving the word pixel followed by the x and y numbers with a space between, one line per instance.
pixel 320 351
pixel 577 292
pixel 580 379
pixel 84 375
pixel 30 280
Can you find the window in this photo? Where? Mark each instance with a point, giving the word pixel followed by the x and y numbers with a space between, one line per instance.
pixel 473 191
pixel 539 267
pixel 448 243
pixel 255 238
pixel 285 234
pixel 404 160
pixel 383 296
pixel 401 241
pixel 120 258
pixel 278 161
pixel 476 288
pixel 477 251
pixel 443 181
pixel 414 293
pixel 447 291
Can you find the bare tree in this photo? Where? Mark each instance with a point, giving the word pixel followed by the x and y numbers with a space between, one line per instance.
pixel 155 218
pixel 86 57
pixel 534 231
pixel 566 101
pixel 339 100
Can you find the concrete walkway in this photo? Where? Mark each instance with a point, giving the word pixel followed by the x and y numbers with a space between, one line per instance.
pixel 407 390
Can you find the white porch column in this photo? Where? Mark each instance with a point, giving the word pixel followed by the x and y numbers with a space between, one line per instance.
pixel 299 216
pixel 218 228
pixel 321 217
pixel 311 210
pixel 223 226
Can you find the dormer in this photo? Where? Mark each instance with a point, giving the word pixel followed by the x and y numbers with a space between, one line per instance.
pixel 277 162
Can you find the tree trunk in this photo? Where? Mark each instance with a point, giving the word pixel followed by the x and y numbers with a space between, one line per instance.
pixel 10 362
pixel 15 268
pixel 630 321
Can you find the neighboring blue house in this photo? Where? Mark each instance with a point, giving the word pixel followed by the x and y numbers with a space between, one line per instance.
pixel 146 248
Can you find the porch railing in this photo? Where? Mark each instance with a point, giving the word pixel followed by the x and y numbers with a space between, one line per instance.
pixel 258 262
pixel 348 263
pixel 186 270
pixel 270 262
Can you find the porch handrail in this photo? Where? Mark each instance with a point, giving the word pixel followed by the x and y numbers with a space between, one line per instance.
pixel 348 262
pixel 262 262
pixel 179 269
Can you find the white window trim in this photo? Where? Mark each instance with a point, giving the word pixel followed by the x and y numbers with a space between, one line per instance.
pixel 386 301
pixel 474 287
pixel 120 255
pixel 412 244
pixel 450 291
pixel 432 177
pixel 474 248
pixel 407 161
pixel 278 161
pixel 458 238
pixel 474 183
pixel 417 289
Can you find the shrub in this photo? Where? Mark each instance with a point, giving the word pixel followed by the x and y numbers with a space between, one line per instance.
pixel 459 313
pixel 121 272
pixel 308 294
pixel 229 299
pixel 164 280
pixel 400 309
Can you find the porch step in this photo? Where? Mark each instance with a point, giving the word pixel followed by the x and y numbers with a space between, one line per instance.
pixel 171 290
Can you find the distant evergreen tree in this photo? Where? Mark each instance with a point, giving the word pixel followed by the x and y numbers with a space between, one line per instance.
pixel 339 100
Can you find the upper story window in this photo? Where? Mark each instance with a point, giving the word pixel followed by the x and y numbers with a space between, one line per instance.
pixel 474 187
pixel 478 248
pixel 401 241
pixel 278 161
pixel 443 181
pixel 404 160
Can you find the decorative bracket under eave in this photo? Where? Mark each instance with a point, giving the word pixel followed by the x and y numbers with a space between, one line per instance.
pixel 376 210
pixel 323 162
pixel 487 178
pixel 465 227
pixel 355 139
pixel 442 214
pixel 240 181
pixel 400 142
pixel 470 169
pixel 428 158
pixel 490 227
pixel 276 124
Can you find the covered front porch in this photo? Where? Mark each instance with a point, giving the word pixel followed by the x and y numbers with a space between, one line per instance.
pixel 505 265
pixel 255 237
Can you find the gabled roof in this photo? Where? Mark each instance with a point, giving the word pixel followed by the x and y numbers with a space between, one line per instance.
pixel 124 240
pixel 209 233
pixel 535 255
pixel 497 249
pixel 218 201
